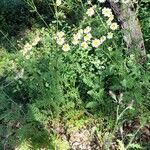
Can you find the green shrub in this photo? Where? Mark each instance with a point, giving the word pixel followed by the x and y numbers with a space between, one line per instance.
pixel 59 71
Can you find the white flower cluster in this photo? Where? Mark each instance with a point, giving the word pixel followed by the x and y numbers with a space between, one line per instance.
pixel 108 13
pixel 83 37
pixel 60 40
pixel 82 33
pixel 87 38
pixel 98 62
pixel 27 47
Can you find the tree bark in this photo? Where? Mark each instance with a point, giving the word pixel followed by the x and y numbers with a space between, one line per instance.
pixel 132 33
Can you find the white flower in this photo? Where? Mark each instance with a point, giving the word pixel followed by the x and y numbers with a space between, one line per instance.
pixel 114 26
pixel 115 1
pixel 94 6
pixel 102 39
pixel 58 2
pixel 84 45
pixel 80 31
pixel 102 1
pixel 24 52
pixel 77 36
pixel 96 43
pixel 89 2
pixel 90 12
pixel 109 35
pixel 111 17
pixel 75 42
pixel 135 1
pixel 60 34
pixel 87 37
pixel 27 47
pixel 110 48
pixel 125 1
pixel 19 74
pixel 109 22
pixel 60 41
pixel 27 56
pixel 106 12
pixel 66 47
pixel 36 40
pixel 87 29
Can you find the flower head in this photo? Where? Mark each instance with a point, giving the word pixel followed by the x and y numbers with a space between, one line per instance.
pixel 58 2
pixel 106 12
pixel 114 26
pixel 125 1
pixel 66 47
pixel 75 42
pixel 27 47
pixel 89 2
pixel 87 37
pixel 102 1
pixel 110 48
pixel 60 41
pixel 96 43
pixel 90 12
pixel 36 40
pixel 60 34
pixel 108 22
pixel 80 31
pixel 111 17
pixel 77 36
pixel 102 39
pixel 87 29
pixel 109 35
pixel 84 45
pixel 94 6
pixel 115 1
pixel 20 74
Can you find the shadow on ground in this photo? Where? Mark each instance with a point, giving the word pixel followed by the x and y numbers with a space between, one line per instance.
pixel 16 17
pixel 19 125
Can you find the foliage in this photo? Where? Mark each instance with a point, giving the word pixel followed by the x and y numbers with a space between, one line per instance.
pixel 70 63
pixel 144 16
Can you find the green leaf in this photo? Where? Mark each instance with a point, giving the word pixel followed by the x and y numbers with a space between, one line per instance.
pixel 92 104
pixel 135 146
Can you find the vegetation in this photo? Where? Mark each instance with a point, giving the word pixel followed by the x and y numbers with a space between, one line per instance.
pixel 65 69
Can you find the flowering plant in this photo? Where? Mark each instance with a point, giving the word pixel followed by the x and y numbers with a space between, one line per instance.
pixel 72 67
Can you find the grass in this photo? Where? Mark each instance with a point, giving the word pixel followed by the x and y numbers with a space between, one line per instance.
pixel 47 94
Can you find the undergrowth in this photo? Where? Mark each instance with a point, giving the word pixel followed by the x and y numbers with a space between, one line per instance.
pixel 67 64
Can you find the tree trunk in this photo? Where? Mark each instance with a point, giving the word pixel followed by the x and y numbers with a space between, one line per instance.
pixel 132 33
